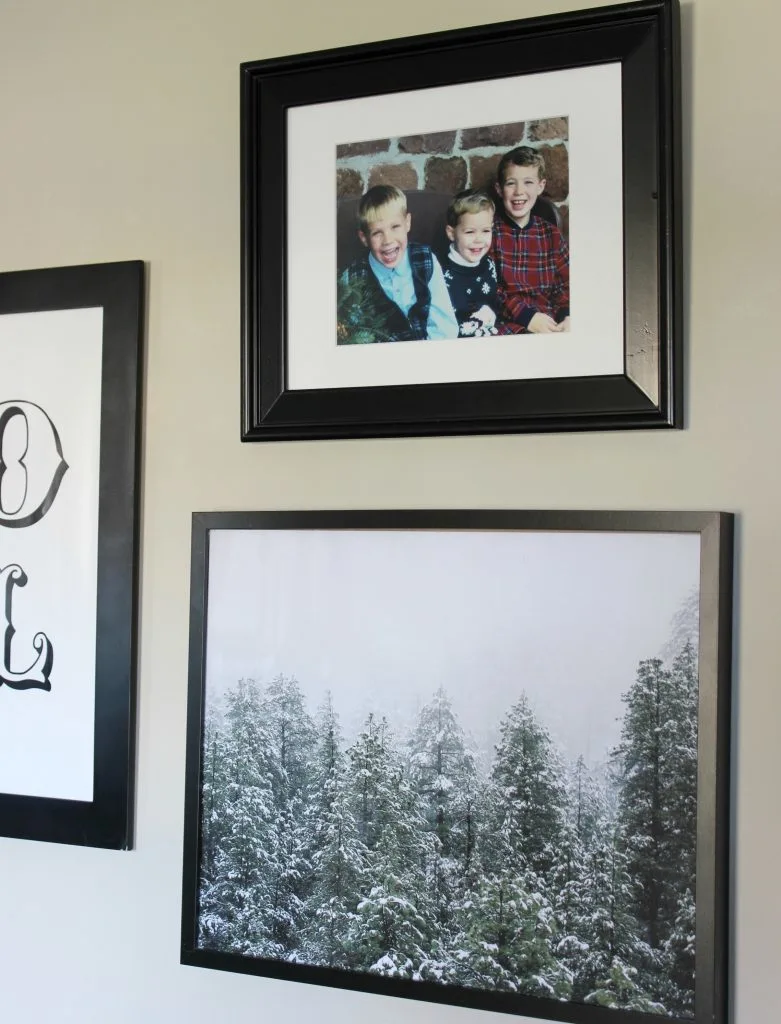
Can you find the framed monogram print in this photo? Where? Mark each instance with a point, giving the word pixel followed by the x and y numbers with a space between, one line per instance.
pixel 70 348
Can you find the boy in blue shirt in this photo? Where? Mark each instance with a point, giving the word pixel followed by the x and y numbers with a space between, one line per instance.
pixel 399 280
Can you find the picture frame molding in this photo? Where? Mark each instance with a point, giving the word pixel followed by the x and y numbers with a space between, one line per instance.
pixel 118 289
pixel 645 37
pixel 716 531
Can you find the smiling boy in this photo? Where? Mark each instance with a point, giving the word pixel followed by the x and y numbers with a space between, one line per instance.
pixel 404 282
pixel 470 273
pixel 530 254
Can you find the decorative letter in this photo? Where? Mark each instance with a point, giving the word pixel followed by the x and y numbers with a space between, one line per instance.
pixel 31 463
pixel 37 675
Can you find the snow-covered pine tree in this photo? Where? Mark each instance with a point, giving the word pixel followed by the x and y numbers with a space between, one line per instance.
pixel 395 924
pixel 508 931
pixel 657 763
pixel 529 792
pixel 681 790
pixel 678 960
pixel 622 989
pixel 642 757
pixel 681 813
pixel 213 795
pixel 576 892
pixel 336 853
pixel 508 926
pixel 605 926
pixel 443 774
pixel 291 738
pixel 684 628
pixel 245 855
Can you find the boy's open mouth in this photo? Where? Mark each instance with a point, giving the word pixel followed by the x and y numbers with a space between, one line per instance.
pixel 389 255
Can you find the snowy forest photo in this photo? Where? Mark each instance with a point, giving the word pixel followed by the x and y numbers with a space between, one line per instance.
pixel 467 758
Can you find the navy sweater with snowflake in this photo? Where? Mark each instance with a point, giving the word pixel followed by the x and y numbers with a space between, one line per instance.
pixel 470 288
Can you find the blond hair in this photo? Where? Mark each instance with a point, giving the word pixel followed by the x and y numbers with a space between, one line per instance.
pixel 375 200
pixel 471 200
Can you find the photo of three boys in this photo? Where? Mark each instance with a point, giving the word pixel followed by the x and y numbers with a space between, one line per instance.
pixel 505 269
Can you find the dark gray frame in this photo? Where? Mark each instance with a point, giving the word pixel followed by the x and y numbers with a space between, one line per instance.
pixel 715 530
pixel 106 821
pixel 644 38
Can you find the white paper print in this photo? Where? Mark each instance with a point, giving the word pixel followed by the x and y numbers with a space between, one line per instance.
pixel 50 391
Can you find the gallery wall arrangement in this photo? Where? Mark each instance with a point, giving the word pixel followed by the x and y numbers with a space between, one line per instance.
pixel 567 129
pixel 477 758
pixel 70 348
pixel 471 757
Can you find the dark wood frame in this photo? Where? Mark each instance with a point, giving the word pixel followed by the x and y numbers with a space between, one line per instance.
pixel 644 38
pixel 106 821
pixel 715 530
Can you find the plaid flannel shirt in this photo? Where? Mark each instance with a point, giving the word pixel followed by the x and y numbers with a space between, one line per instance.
pixel 533 266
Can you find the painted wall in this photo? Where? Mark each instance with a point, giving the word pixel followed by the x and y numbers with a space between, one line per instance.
pixel 119 136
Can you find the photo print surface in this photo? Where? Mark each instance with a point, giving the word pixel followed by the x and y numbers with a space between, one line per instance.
pixel 428 146
pixel 454 234
pixel 464 758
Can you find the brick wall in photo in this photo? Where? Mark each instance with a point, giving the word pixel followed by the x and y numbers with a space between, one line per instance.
pixel 453 160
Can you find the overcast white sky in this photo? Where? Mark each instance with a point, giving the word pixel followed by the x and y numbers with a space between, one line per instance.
pixel 382 618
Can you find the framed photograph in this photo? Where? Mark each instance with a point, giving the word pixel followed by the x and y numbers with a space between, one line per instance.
pixel 70 348
pixel 472 757
pixel 471 232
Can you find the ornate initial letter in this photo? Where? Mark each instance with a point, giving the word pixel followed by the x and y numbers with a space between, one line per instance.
pixel 31 463
pixel 37 675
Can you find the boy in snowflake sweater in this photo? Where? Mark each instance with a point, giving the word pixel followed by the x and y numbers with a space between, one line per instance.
pixel 470 274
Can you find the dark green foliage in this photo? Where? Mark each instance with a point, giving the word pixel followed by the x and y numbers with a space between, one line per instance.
pixel 358 321
pixel 657 766
pixel 529 799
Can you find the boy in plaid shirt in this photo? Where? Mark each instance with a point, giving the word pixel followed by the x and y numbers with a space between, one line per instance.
pixel 530 254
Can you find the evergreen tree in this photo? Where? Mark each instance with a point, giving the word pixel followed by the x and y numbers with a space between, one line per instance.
pixel 681 775
pixel 393 925
pixel 329 759
pixel 681 810
pixel 606 927
pixel 508 929
pixel 684 628
pixel 291 740
pixel 508 924
pixel 678 960
pixel 529 794
pixel 235 895
pixel 337 855
pixel 657 761
pixel 621 989
pixel 443 774
pixel 642 753
pixel 213 786
pixel 584 898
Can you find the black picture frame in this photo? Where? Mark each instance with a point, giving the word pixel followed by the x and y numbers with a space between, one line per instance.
pixel 644 38
pixel 714 626
pixel 117 289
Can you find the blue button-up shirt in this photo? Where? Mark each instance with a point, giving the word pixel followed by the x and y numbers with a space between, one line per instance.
pixel 397 284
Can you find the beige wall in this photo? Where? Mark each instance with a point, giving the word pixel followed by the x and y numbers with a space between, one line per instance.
pixel 119 138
